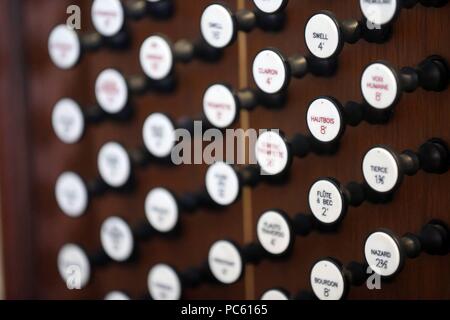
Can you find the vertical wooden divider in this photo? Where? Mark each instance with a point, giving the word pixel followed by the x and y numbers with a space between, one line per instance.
pixel 247 213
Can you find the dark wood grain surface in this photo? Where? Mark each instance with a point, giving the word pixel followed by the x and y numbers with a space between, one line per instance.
pixel 420 115
pixel 32 157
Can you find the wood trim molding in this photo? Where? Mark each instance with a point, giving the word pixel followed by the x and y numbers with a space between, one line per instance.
pixel 247 212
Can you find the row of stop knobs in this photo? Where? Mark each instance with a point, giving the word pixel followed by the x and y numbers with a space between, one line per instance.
pixel 326 117
pixel 385 255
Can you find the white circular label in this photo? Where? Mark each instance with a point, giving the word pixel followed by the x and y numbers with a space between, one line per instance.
pixel 114 164
pixel 219 106
pixel 156 57
pixel 117 239
pixel 269 71
pixel 71 194
pixel 380 170
pixel 161 210
pixel 222 183
pixel 322 36
pixel 325 201
pixel 225 262
pixel 324 120
pixel 379 86
pixel 327 281
pixel 274 294
pixel 382 254
pixel 269 6
pixel 217 26
pixel 378 12
pixel 159 136
pixel 117 295
pixel 271 153
pixel 64 47
pixel 68 121
pixel 274 232
pixel 74 266
pixel 107 16
pixel 163 283
pixel 111 91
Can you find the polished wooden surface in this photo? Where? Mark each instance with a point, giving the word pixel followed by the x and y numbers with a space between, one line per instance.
pixel 32 157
